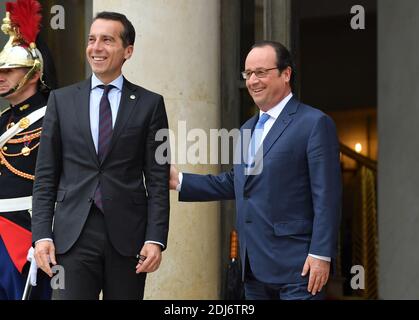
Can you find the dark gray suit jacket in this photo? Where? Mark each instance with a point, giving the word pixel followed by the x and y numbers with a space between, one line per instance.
pixel 68 171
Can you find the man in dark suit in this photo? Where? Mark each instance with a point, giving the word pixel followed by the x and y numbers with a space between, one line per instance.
pixel 97 178
pixel 287 192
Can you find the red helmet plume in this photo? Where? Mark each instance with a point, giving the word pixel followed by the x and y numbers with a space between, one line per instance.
pixel 26 18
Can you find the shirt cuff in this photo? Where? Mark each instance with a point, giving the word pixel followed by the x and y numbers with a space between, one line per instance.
pixel 44 239
pixel 179 186
pixel 156 242
pixel 328 259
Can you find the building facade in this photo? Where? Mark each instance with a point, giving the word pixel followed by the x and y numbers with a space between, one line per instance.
pixel 192 52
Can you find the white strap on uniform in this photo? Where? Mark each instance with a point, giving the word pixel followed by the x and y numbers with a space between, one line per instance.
pixel 33 117
pixel 15 204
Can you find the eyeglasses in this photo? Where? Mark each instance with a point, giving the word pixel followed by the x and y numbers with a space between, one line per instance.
pixel 260 73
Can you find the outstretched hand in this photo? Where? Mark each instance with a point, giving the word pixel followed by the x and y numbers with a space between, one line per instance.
pixel 174 177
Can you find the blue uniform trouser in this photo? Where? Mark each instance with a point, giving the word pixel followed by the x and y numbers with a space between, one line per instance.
pixel 12 282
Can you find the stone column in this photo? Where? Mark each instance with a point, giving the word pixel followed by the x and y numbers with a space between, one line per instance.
pixel 398 174
pixel 177 53
pixel 277 25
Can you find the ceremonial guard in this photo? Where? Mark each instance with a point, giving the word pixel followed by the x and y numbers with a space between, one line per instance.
pixel 26 77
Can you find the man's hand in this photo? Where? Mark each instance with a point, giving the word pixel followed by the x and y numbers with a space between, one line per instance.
pixel 319 273
pixel 152 258
pixel 174 177
pixel 44 254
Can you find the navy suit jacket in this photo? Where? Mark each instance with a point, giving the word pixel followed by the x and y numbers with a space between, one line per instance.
pixel 293 207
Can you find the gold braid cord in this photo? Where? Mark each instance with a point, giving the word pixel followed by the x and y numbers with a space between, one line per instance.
pixel 17 172
pixel 28 135
pixel 365 233
pixel 34 134
pixel 22 153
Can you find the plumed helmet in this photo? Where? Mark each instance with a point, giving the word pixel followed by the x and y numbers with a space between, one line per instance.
pixel 22 24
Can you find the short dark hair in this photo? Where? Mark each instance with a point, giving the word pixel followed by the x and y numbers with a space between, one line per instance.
pixel 283 57
pixel 128 35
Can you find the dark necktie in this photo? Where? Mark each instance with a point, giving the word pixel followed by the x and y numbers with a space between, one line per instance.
pixel 105 135
pixel 105 123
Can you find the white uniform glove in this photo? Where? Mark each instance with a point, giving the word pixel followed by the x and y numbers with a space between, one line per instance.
pixel 33 270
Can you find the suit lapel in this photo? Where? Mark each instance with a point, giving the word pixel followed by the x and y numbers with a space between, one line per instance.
pixel 82 100
pixel 129 98
pixel 281 123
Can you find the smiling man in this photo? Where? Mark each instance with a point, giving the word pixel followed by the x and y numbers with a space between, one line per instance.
pixel 288 214
pixel 98 142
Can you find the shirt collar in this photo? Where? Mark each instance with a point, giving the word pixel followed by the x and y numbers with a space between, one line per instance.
pixel 276 111
pixel 118 82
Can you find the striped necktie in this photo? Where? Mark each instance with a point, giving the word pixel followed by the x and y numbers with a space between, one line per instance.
pixel 105 122
pixel 105 135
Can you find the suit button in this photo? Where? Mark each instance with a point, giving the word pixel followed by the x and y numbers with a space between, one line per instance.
pixel 90 200
pixel 245 196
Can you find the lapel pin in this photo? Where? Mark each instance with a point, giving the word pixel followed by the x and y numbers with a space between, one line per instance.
pixel 132 97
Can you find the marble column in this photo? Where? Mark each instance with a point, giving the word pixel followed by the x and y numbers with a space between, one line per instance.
pixel 398 173
pixel 177 54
